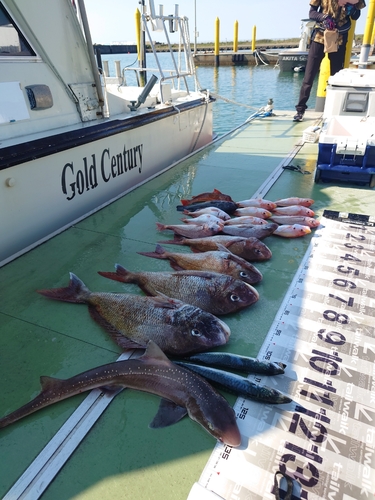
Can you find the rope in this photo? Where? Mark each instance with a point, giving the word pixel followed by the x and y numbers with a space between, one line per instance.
pixel 230 101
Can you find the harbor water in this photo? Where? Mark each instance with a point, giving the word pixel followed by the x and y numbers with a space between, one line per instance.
pixel 248 88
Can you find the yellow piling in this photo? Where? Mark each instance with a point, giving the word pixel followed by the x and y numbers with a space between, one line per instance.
pixel 217 36
pixel 366 44
pixel 235 37
pixel 138 32
pixel 349 45
pixel 325 71
pixel 372 40
pixel 254 37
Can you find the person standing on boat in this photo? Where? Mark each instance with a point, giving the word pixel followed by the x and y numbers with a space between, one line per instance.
pixel 331 16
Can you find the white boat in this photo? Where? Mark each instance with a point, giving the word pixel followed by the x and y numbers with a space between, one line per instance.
pixel 295 59
pixel 73 139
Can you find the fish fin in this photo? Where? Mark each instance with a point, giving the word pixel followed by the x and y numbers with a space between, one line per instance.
pixel 222 248
pixel 175 266
pixel 48 383
pixel 76 291
pixel 161 300
pixel 158 254
pixel 121 274
pixel 168 414
pixel 160 227
pixel 153 351
pixel 116 336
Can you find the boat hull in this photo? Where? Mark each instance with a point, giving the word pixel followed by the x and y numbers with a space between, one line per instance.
pixel 51 183
pixel 290 61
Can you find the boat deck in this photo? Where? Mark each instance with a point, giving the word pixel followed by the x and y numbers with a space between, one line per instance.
pixel 121 457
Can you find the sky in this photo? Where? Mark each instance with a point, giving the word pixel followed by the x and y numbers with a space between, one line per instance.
pixel 113 20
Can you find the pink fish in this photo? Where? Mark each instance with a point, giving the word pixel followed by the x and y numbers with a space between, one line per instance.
pixel 254 212
pixel 220 214
pixel 286 202
pixel 257 202
pixel 245 219
pixel 292 230
pixel 204 219
pixel 295 219
pixel 294 210
pixel 192 230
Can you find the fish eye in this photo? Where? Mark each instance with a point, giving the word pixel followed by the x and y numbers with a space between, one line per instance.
pixel 234 298
pixel 196 333
pixel 243 274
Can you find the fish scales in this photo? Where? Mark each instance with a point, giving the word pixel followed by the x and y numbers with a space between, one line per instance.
pixel 216 293
pixel 182 391
pixel 133 320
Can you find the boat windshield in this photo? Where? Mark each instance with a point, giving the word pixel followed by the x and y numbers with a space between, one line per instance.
pixel 12 42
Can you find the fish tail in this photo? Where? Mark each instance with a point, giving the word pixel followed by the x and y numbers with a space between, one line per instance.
pixel 121 274
pixel 76 291
pixel 160 227
pixel 185 202
pixel 159 253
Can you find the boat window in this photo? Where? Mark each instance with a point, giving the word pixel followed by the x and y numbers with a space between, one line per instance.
pixel 12 42
pixel 356 102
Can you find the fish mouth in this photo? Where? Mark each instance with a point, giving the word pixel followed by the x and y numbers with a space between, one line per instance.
pixel 253 290
pixel 225 328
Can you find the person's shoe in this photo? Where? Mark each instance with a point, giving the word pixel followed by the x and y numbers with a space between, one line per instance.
pixel 298 117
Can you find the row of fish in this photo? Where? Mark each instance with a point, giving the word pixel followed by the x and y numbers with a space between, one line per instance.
pixel 178 317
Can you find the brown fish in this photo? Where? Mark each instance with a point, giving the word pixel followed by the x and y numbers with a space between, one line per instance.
pixel 220 261
pixel 250 249
pixel 132 320
pixel 215 293
pixel 203 197
pixel 192 230
pixel 294 210
pixel 182 393
pixel 204 219
pixel 249 231
pixel 295 219
pixel 286 202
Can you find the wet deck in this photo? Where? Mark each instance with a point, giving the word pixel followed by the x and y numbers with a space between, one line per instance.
pixel 121 457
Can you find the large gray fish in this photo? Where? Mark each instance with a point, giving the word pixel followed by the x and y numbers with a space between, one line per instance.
pixel 193 230
pixel 132 320
pixel 250 231
pixel 212 292
pixel 238 385
pixel 250 249
pixel 182 391
pixel 238 363
pixel 220 261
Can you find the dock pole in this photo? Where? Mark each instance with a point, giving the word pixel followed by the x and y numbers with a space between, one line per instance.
pixel 325 71
pixel 349 44
pixel 253 39
pixel 217 48
pixel 366 44
pixel 235 37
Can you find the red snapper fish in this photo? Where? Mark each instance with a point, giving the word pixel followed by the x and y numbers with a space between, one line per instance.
pixel 132 320
pixel 286 202
pixel 203 197
pixel 253 211
pixel 245 219
pixel 257 202
pixel 295 219
pixel 292 231
pixel 220 214
pixel 294 210
pixel 193 230
pixel 259 231
pixel 204 219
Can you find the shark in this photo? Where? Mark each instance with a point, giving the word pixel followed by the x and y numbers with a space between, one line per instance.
pixel 182 391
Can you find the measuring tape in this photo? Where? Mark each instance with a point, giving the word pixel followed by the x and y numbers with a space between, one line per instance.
pixel 324 332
